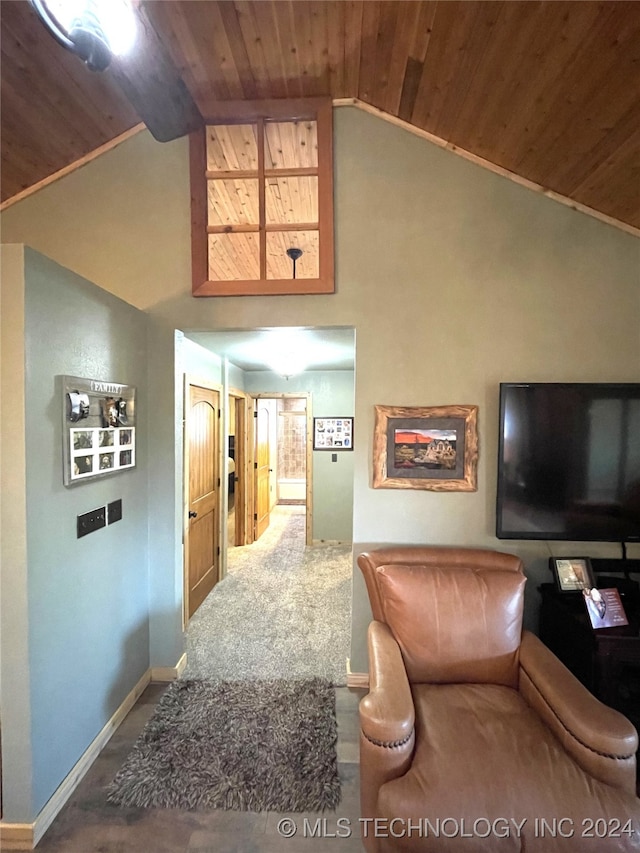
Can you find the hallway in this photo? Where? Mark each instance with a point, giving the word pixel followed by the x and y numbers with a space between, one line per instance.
pixel 283 611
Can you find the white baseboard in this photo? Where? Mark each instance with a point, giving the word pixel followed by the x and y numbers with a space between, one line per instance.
pixel 331 542
pixel 25 836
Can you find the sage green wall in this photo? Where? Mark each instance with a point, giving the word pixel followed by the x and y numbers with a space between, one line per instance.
pixel 196 361
pixel 84 622
pixel 15 695
pixel 121 221
pixel 454 278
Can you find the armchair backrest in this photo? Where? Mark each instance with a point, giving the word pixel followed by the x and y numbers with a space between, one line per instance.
pixel 456 613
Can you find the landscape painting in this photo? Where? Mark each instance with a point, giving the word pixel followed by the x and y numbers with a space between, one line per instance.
pixel 425 448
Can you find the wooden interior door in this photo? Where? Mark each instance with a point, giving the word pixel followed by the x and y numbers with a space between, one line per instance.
pixel 203 483
pixel 262 467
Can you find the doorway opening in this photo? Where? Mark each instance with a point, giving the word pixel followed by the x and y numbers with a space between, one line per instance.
pixel 237 484
pixel 292 451
pixel 252 502
pixel 282 457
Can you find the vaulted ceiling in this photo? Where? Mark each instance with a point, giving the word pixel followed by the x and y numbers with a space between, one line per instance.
pixel 549 91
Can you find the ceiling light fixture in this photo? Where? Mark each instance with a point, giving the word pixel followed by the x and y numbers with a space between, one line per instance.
pixel 286 352
pixel 95 30
pixel 287 364
pixel 295 254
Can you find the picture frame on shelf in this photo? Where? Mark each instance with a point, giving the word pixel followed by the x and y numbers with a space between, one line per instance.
pixel 572 574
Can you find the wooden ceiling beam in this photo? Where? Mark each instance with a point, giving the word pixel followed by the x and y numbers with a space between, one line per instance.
pixel 152 84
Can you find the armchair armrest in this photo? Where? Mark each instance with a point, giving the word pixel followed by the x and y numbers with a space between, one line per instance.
pixel 387 722
pixel 601 740
pixel 387 715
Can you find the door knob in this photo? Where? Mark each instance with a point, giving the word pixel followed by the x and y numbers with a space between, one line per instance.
pixel 192 514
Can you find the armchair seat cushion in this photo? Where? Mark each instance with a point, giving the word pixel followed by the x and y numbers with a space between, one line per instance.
pixel 482 754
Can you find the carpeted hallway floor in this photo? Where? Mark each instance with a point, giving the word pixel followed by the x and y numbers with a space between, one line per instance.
pixel 283 611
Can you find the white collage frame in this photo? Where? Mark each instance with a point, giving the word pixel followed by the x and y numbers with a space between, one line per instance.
pixel 98 428
pixel 107 449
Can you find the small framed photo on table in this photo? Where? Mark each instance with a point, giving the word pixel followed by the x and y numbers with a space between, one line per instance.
pixel 572 574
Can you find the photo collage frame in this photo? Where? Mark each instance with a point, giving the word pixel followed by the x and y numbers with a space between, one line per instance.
pixel 333 433
pixel 99 428
pixel 101 451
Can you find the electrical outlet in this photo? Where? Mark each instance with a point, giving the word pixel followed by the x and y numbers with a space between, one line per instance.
pixel 114 511
pixel 90 521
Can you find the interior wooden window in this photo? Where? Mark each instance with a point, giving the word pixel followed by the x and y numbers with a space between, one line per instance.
pixel 262 200
pixel 234 256
pixel 280 266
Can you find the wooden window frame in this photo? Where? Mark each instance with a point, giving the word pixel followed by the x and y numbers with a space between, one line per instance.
pixel 243 112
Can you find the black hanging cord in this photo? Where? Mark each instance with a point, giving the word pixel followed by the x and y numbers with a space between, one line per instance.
pixel 294 253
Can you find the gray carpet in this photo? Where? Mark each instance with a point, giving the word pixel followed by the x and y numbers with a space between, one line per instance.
pixel 283 611
pixel 248 746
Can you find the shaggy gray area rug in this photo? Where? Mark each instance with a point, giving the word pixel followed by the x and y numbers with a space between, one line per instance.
pixel 234 745
pixel 282 611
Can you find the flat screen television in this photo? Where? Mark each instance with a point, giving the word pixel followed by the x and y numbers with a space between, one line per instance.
pixel 569 462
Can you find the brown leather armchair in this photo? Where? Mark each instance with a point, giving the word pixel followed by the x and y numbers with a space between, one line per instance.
pixel 474 736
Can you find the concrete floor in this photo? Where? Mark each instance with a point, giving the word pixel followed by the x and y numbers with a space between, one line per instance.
pixel 88 824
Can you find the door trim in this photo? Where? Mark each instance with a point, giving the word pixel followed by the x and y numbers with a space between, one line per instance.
pixel 240 400
pixel 189 380
pixel 306 395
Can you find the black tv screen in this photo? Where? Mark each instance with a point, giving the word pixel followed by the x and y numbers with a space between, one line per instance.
pixel 569 462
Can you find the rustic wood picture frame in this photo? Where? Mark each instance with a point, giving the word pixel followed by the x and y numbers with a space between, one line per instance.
pixel 434 448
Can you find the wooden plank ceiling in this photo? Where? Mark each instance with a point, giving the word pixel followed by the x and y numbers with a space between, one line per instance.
pixel 547 90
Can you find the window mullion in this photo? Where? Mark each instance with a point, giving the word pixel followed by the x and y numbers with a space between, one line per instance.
pixel 261 202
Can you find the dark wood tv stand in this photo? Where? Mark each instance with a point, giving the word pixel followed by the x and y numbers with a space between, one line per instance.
pixel 606 661
pixel 610 565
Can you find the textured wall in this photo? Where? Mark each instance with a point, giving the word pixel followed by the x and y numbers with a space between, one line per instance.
pixel 14 618
pixel 86 616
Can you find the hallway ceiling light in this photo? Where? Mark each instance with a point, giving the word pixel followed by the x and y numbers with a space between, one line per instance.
pixel 286 352
pixel 287 364
pixel 320 348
